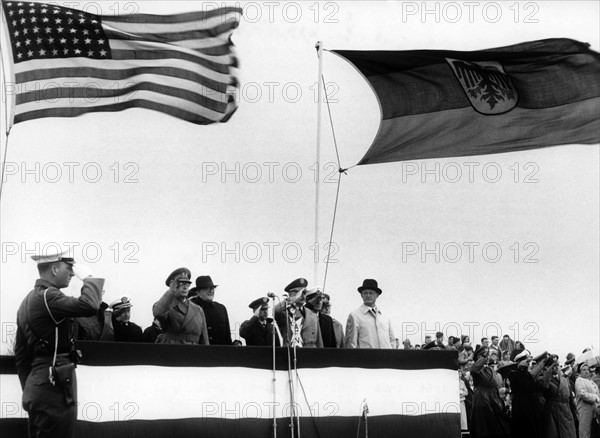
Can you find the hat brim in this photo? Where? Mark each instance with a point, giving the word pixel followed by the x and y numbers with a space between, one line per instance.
pixel 507 369
pixel 376 289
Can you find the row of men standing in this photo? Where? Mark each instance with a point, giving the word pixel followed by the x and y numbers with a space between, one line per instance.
pixel 191 316
pixel 302 319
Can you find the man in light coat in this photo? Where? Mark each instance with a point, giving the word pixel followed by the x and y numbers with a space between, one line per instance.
pixel 366 326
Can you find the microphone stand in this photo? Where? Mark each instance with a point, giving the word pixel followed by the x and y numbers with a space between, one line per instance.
pixel 365 412
pixel 273 334
pixel 290 372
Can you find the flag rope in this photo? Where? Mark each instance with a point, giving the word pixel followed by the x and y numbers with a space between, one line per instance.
pixel 341 171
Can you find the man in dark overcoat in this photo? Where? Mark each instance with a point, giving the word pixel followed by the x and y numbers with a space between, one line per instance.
pixel 258 330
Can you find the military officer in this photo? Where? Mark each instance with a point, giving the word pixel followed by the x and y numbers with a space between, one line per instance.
pixel 44 351
pixel 298 327
pixel 125 330
pixel 182 321
pixel 217 319
pixel 258 330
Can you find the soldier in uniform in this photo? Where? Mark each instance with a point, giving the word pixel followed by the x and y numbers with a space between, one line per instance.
pixel 217 319
pixel 258 330
pixel 182 321
pixel 44 351
pixel 125 330
pixel 298 326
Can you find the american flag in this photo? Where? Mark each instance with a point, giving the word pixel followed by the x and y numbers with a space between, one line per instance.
pixel 68 62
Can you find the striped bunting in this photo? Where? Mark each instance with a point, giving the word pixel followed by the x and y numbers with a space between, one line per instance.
pixel 171 390
pixel 69 62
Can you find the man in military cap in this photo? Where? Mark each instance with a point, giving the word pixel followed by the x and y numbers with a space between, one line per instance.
pixel 217 319
pixel 338 328
pixel 314 302
pixel 298 327
pixel 181 321
pixel 366 326
pixel 125 330
pixel 44 352
pixel 258 330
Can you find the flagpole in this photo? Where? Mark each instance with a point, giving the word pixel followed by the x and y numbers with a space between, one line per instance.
pixel 8 111
pixel 319 47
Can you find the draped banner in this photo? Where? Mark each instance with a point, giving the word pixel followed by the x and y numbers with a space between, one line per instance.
pixel 146 390
pixel 441 103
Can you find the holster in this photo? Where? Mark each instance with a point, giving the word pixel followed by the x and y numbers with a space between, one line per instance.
pixel 64 375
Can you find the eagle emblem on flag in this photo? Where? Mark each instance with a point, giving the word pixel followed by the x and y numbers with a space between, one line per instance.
pixel 486 84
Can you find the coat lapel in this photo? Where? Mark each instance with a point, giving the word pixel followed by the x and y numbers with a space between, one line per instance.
pixel 186 308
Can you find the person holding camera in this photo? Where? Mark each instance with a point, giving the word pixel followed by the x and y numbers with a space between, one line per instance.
pixel 44 352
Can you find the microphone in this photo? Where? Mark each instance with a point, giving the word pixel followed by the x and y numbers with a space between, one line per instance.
pixel 271 295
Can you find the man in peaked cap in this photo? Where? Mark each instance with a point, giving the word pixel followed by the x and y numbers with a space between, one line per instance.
pixel 366 326
pixel 44 331
pixel 124 329
pixel 217 319
pixel 298 326
pixel 181 321
pixel 258 330
pixel 177 274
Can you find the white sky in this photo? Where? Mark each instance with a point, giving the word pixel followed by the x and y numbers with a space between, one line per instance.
pixel 183 208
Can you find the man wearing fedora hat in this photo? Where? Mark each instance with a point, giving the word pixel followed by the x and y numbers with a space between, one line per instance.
pixel 45 356
pixel 366 326
pixel 258 330
pixel 217 319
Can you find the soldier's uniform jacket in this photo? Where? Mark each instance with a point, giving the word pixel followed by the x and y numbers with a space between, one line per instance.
pixel 34 346
pixel 183 322
pixel 310 331
pixel 256 333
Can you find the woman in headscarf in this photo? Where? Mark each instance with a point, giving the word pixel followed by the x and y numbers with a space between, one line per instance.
pixel 488 418
pixel 182 321
pixel 587 398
